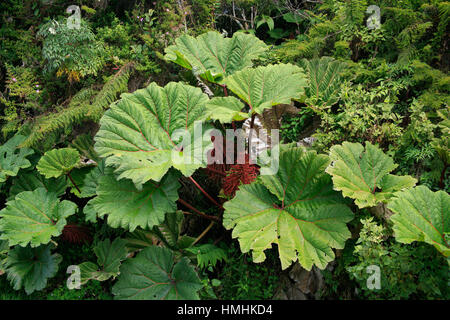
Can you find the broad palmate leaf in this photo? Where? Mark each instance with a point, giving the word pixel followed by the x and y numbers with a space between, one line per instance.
pixel 137 132
pixel 78 176
pixel 90 215
pixel 168 233
pixel 57 162
pixel 295 208
pixel 128 207
pixel 4 248
pixel 225 109
pixel 264 87
pixel 30 268
pixel 363 175
pixel 13 159
pixel 422 215
pixel 153 275
pixel 109 256
pixel 33 217
pixel 30 181
pixel 324 81
pixel 90 181
pixel 214 57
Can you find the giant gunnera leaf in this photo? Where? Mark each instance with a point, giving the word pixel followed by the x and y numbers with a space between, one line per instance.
pixel 363 174
pixel 29 181
pixel 147 132
pixel 225 109
pixel 422 215
pixel 168 233
pixel 267 86
pixel 214 57
pixel 109 256
pixel 34 217
pixel 296 208
pixel 129 207
pixel 90 181
pixel 324 81
pixel 30 268
pixel 57 162
pixel 154 275
pixel 12 159
pixel 4 248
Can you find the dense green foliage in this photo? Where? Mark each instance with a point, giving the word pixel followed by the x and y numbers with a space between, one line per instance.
pixel 96 171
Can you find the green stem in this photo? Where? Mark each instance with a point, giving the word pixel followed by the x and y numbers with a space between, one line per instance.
pixel 203 233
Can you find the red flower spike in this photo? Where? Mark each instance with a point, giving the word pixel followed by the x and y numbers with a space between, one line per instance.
pixel 239 174
pixel 76 234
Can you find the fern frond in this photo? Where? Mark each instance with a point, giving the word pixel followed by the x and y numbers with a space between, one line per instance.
pixel 80 108
pixel 208 254
pixel 116 85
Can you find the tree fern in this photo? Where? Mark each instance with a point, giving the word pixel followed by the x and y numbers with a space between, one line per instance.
pixel 407 39
pixel 80 108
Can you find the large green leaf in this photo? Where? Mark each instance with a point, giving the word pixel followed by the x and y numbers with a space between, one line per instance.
pixel 264 87
pixel 422 215
pixel 90 214
pixel 30 268
pixel 137 133
pixel 153 275
pixel 79 175
pixel 295 208
pixel 34 217
pixel 214 57
pixel 225 109
pixel 29 181
pixel 128 207
pixel 4 248
pixel 13 159
pixel 109 256
pixel 57 162
pixel 90 181
pixel 167 232
pixel 363 175
pixel 324 81
pixel 84 143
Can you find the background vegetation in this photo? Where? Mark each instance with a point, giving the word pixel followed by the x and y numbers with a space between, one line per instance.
pixel 388 86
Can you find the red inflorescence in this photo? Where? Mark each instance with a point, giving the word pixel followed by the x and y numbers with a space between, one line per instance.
pixel 239 174
pixel 217 171
pixel 74 233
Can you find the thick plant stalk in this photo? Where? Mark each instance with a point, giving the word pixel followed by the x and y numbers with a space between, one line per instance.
pixel 203 233
pixel 216 171
pixel 225 91
pixel 205 193
pixel 73 182
pixel 252 124
pixel 205 88
pixel 186 204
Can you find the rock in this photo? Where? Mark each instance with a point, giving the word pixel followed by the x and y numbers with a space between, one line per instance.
pixel 381 211
pixel 301 277
pixel 280 295
pixel 306 142
pixel 300 284
pixel 296 294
